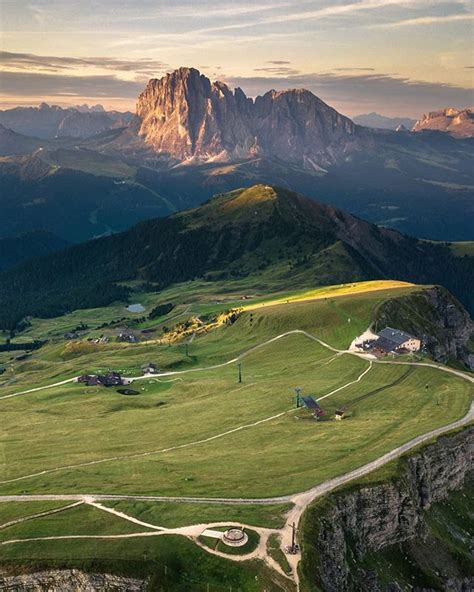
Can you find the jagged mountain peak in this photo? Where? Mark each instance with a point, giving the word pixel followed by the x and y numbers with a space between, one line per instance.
pixel 191 119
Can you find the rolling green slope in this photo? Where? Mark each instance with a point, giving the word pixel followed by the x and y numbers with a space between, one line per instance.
pixel 241 234
pixel 198 431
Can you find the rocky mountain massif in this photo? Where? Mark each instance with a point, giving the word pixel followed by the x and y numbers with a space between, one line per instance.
pixel 410 532
pixel 51 121
pixel 262 233
pixel 457 122
pixel 186 116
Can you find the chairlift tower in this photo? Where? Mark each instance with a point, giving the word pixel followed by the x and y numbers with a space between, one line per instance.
pixel 298 390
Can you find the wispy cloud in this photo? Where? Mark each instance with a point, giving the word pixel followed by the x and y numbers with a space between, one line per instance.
pixel 349 69
pixel 202 10
pixel 278 62
pixel 328 12
pixel 425 20
pixel 29 84
pixel 278 70
pixel 28 61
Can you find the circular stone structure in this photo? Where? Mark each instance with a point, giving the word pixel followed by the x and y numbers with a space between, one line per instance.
pixel 235 537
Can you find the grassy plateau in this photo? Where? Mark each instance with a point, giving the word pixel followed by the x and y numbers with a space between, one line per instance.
pixel 194 429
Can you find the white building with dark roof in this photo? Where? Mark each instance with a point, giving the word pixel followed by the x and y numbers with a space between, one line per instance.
pixel 393 340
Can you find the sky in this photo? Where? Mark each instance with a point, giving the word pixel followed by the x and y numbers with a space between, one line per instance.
pixel 395 57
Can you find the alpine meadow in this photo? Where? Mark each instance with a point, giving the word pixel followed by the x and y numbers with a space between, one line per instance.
pixel 236 299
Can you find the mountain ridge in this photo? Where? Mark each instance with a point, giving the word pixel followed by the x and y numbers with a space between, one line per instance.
pixel 459 123
pixel 51 121
pixel 241 234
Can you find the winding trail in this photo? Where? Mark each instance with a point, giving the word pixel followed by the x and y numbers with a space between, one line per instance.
pixel 40 514
pixel 40 388
pixel 358 379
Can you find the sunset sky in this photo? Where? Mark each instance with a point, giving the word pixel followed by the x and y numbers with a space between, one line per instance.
pixel 396 57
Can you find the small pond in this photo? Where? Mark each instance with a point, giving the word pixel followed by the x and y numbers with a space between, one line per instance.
pixel 136 308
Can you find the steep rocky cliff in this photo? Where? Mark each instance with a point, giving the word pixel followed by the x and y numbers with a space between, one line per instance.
pixel 399 534
pixel 69 580
pixel 186 116
pixel 457 122
pixel 435 316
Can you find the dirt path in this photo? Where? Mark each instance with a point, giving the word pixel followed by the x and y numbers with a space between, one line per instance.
pixel 39 388
pixel 40 514
pixel 358 379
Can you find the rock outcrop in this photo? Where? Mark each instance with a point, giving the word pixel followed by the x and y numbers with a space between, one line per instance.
pixel 457 122
pixel 357 523
pixel 191 119
pixel 69 580
pixel 437 318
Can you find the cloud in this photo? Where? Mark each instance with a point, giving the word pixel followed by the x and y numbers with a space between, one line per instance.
pixel 354 69
pixel 28 61
pixel 278 62
pixel 29 84
pixel 425 20
pixel 202 10
pixel 279 70
pixel 327 12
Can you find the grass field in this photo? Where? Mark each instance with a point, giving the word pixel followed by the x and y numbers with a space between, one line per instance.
pixel 200 432
pixel 174 515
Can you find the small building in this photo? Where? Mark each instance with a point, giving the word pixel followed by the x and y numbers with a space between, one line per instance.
pixel 109 379
pixel 391 340
pixel 313 406
pixel 89 379
pixel 127 336
pixel 339 414
pixel 401 339
pixel 71 335
pixel 150 368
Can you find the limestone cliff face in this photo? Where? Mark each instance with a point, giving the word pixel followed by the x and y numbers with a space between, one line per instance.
pixel 457 122
pixel 69 581
pixel 437 318
pixel 190 118
pixel 352 525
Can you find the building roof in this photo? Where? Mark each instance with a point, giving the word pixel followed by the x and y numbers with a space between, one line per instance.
pixel 386 345
pixel 310 403
pixel 394 335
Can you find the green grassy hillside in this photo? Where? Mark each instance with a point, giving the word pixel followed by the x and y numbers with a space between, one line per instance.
pixel 258 233
pixel 194 430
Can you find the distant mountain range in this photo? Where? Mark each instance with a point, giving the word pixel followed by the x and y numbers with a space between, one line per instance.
pixel 382 122
pixel 192 138
pixel 51 121
pixel 457 122
pixel 260 232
